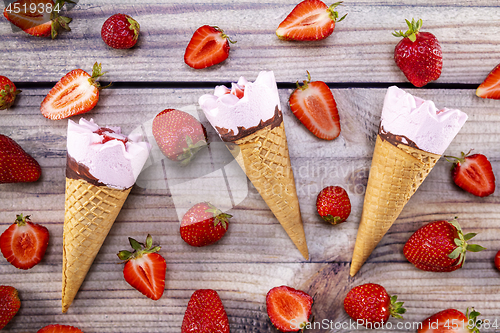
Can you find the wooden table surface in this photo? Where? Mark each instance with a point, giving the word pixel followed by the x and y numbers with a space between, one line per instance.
pixel 256 254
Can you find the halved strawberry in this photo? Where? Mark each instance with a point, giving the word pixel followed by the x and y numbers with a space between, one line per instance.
pixel 313 104
pixel 23 244
pixel 309 20
pixel 208 46
pixel 144 268
pixel 490 88
pixel 289 309
pixel 77 92
pixel 473 173
pixel 38 18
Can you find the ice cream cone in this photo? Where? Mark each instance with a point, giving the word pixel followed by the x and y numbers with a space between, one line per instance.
pixel 263 155
pixel 396 172
pixel 89 214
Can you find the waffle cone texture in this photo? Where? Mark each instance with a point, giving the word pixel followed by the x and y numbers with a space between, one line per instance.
pixel 396 173
pixel 89 215
pixel 264 157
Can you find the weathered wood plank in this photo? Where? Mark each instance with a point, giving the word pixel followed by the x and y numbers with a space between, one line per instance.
pixel 256 254
pixel 360 50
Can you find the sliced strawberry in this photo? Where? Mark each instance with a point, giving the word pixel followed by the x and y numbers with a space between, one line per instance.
pixel 452 321
pixel 490 88
pixel 23 244
pixel 309 20
pixel 59 329
pixel 77 92
pixel 289 309
pixel 473 173
pixel 313 104
pixel 208 46
pixel 38 18
pixel 144 268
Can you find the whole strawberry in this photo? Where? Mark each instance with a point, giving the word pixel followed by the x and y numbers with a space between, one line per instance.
pixel 418 54
pixel 371 305
pixel 8 93
pixel 203 224
pixel 16 166
pixel 24 243
pixel 288 309
pixel 451 320
pixel 9 304
pixel 333 204
pixel 59 329
pixel 179 135
pixel 205 313
pixel 439 246
pixel 144 268
pixel 120 31
pixel 473 173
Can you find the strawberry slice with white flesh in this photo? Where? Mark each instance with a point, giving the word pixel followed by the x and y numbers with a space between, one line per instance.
pixel 490 88
pixel 310 20
pixel 314 105
pixel 77 92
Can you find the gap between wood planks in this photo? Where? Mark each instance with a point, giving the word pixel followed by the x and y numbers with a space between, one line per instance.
pixel 281 85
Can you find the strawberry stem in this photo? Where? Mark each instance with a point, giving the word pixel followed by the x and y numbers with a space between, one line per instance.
pixel 461 242
pixel 473 322
pixel 59 21
pixel 21 219
pixel 190 151
pixel 219 216
pixel 134 26
pixel 305 82
pixel 139 249
pixel 457 159
pixel 96 73
pixel 413 29
pixel 334 15
pixel 223 35
pixel 396 308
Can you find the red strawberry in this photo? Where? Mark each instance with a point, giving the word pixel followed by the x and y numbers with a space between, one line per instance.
pixel 203 224
pixel 309 20
pixel 179 135
pixel 9 304
pixel 313 104
pixel 439 246
pixel 497 260
pixel 208 46
pixel 59 329
pixel 473 173
pixel 39 18
pixel 8 93
pixel 16 166
pixel 288 309
pixel 120 31
pixel 23 244
pixel 490 88
pixel 371 305
pixel 145 269
pixel 451 321
pixel 77 92
pixel 205 313
pixel 333 204
pixel 418 54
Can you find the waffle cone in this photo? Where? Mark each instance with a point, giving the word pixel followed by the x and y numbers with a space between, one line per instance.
pixel 89 214
pixel 395 175
pixel 263 156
